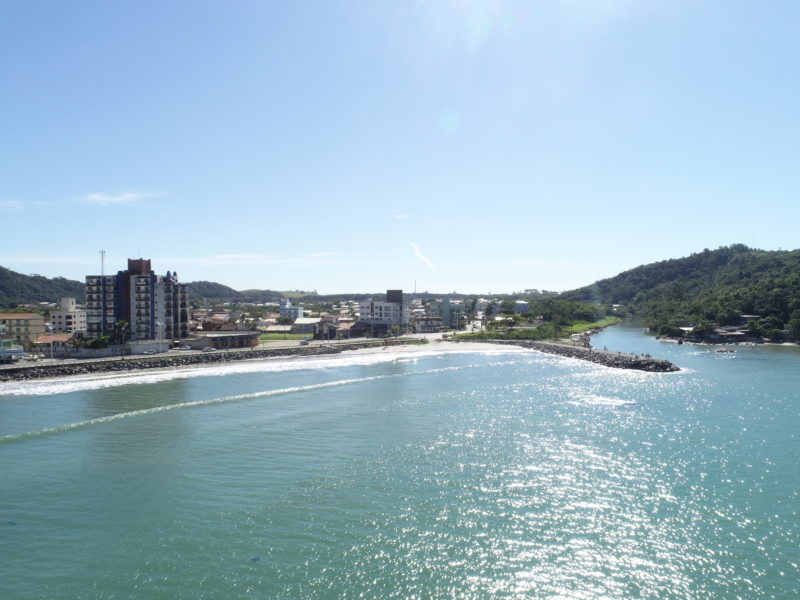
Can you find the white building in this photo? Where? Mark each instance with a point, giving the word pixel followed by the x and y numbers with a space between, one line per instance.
pixel 69 319
pixel 287 310
pixel 392 313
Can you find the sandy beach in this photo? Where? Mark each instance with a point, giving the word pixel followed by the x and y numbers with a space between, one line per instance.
pixel 60 368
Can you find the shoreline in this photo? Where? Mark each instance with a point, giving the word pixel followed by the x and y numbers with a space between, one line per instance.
pixel 199 359
pixel 745 344
pixel 610 359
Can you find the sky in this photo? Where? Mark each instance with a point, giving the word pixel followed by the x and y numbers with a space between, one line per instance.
pixel 363 145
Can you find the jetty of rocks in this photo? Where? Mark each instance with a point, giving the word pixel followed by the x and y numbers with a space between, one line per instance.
pixel 617 360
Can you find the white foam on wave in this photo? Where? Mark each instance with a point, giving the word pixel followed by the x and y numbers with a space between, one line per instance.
pixel 79 383
pixel 221 400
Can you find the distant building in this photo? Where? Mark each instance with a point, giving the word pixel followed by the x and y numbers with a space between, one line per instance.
pixel 521 307
pixel 24 327
pixel 224 340
pixel 451 313
pixel 481 304
pixel 309 325
pixel 427 324
pixel 53 343
pixel 69 319
pixel 384 317
pixel 9 349
pixel 289 311
pixel 155 306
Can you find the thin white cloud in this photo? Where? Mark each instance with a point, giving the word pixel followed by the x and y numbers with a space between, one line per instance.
pixel 418 253
pixel 18 205
pixel 11 205
pixel 121 199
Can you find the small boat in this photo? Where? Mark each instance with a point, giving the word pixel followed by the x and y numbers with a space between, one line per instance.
pixel 724 350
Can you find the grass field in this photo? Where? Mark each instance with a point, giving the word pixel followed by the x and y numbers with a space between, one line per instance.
pixel 543 332
pixel 271 337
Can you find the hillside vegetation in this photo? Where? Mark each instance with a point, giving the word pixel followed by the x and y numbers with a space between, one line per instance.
pixel 16 288
pixel 712 286
pixel 216 292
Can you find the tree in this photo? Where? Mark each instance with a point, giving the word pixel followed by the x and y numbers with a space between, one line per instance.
pixel 120 333
pixel 77 342
pixel 507 307
pixel 98 342
pixel 794 328
pixel 703 328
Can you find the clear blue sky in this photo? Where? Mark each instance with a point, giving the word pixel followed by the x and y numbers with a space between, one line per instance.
pixel 364 145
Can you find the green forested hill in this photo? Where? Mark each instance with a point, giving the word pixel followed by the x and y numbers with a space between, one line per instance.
pixel 16 288
pixel 209 290
pixel 709 286
pixel 216 292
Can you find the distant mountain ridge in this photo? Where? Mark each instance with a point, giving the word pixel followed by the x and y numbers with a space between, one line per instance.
pixel 16 288
pixel 713 285
pixel 217 292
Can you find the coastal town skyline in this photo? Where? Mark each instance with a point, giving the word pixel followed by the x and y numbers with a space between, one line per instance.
pixel 456 146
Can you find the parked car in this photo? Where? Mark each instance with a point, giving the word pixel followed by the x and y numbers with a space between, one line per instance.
pixel 304 342
pixel 209 349
pixel 149 352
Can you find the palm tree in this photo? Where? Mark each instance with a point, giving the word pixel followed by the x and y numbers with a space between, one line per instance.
pixel 121 332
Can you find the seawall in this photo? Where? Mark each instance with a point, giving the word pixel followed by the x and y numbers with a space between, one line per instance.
pixel 616 360
pixel 181 360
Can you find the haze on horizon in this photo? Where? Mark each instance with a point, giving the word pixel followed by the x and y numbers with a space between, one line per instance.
pixel 477 146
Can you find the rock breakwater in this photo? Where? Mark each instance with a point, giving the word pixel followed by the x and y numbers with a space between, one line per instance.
pixel 617 360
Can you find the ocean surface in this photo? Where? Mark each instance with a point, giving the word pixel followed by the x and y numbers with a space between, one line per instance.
pixel 499 474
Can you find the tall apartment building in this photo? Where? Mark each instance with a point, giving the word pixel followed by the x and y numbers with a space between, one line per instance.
pixel 155 306
pixel 68 319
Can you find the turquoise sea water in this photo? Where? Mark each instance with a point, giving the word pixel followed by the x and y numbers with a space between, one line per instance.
pixel 507 474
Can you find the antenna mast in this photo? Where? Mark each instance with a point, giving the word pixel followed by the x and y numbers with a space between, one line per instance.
pixel 102 263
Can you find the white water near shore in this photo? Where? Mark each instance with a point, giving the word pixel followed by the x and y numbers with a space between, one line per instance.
pixel 364 357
